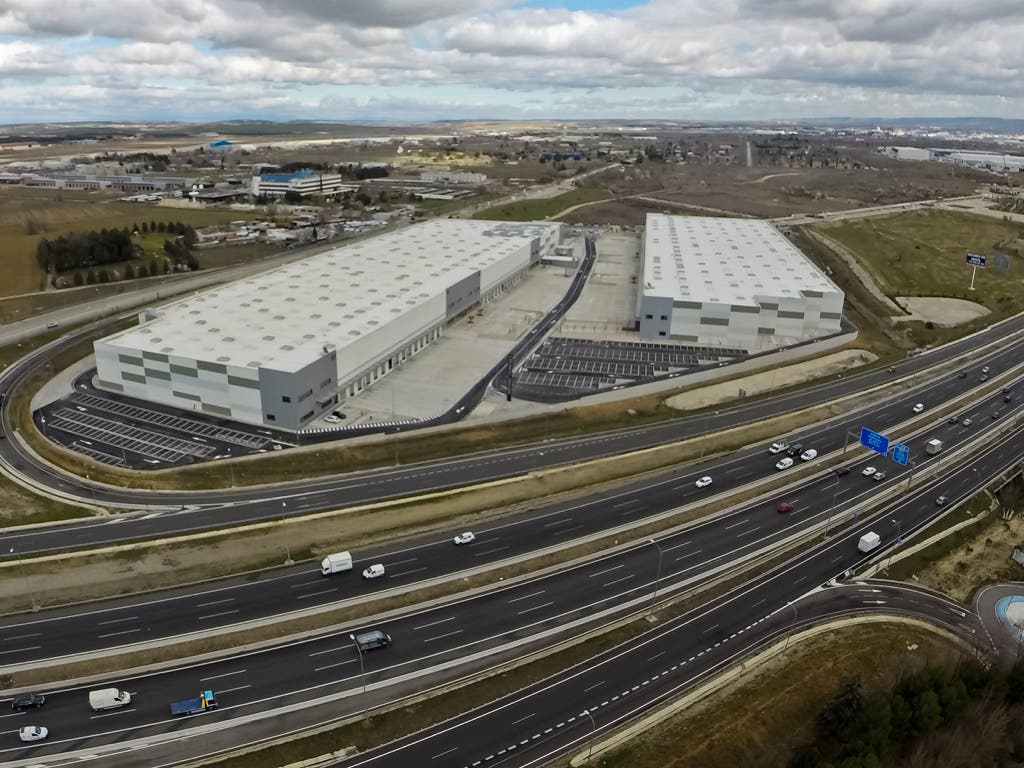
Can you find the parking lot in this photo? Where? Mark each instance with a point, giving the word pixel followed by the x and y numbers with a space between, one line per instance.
pixel 123 432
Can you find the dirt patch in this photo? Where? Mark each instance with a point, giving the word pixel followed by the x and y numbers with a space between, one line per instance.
pixel 766 381
pixel 941 311
pixel 984 558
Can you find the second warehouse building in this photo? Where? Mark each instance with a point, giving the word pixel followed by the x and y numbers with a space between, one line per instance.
pixel 731 282
pixel 284 347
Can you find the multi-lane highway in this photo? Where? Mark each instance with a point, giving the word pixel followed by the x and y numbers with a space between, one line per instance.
pixel 216 509
pixel 629 679
pixel 408 564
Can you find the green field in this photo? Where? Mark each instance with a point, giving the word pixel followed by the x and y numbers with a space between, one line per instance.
pixel 922 253
pixel 536 210
pixel 58 212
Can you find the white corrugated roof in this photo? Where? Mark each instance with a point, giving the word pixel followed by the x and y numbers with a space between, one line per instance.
pixel 726 261
pixel 281 319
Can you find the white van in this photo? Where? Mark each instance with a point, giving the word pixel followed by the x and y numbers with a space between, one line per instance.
pixel 336 563
pixel 109 698
pixel 868 542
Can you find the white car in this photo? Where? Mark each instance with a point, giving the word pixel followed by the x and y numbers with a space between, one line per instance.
pixel 33 733
pixel 868 471
pixel 785 463
pixel 331 418
pixel 919 407
pixel 809 454
pixel 375 571
pixel 778 448
pixel 465 538
pixel 704 482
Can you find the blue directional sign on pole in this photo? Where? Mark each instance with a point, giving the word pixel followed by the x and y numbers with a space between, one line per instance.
pixel 976 259
pixel 901 453
pixel 873 440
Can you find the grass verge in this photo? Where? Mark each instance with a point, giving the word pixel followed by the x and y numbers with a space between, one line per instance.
pixel 538 209
pixel 759 719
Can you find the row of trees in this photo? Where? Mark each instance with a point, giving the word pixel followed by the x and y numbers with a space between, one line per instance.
pixel 84 250
pixel 866 731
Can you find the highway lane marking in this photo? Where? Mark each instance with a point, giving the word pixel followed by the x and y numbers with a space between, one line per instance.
pixel 406 573
pixel 215 602
pixel 558 522
pixel 403 562
pixel 441 637
pixel 21 637
pixel 236 688
pixel 746 474
pixel 607 570
pixel 616 581
pixel 749 530
pixel 332 666
pixel 709 629
pixel 595 685
pixel 489 551
pixel 435 623
pixel 564 531
pixel 526 597
pixel 111 714
pixel 522 719
pixel 740 522
pixel 677 546
pixel 626 503
pixel 661 653
pixel 215 615
pixel 117 621
pixel 14 714
pixel 689 554
pixel 763 599
pixel 446 752
pixel 535 608
pixel 115 634
pixel 331 650
pixel 314 594
pixel 226 674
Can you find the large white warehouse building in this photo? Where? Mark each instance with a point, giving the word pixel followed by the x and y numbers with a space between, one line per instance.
pixel 284 347
pixel 731 282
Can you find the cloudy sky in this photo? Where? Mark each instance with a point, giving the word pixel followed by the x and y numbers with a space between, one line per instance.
pixel 436 59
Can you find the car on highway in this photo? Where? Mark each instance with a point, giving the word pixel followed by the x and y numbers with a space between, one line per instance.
pixel 983 377
pixel 963 375
pixel 941 501
pixel 878 477
pixel 52 325
pixel 371 640
pixel 967 422
pixel 778 447
pixel 785 506
pixel 809 454
pixel 704 482
pixel 27 701
pixel 841 471
pixel 986 369
pixel 1007 398
pixel 375 571
pixel 795 449
pixel 784 463
pixel 868 471
pixel 918 408
pixel 33 733
pixel 954 419
pixel 466 537
pixel 995 415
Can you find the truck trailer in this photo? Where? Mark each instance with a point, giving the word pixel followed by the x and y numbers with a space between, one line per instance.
pixel 205 701
pixel 933 446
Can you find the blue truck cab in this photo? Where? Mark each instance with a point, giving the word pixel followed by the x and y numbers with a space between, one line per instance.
pixel 206 700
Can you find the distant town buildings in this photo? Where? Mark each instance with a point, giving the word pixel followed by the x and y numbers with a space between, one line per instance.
pixel 304 183
pixel 119 183
pixel 991 161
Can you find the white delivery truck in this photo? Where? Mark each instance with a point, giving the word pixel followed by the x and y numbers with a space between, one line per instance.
pixel 109 698
pixel 336 563
pixel 933 446
pixel 869 541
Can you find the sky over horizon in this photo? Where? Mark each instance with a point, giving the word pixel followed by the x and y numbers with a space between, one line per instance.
pixel 416 60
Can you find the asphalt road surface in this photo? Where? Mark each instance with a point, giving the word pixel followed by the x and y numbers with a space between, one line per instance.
pixel 629 679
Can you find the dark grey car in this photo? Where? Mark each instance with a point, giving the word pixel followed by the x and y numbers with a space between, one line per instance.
pixel 28 701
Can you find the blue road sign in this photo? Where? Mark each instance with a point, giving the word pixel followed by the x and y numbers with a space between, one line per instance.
pixel 876 442
pixel 976 259
pixel 901 453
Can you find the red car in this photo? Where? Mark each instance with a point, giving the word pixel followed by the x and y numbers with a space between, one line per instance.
pixel 785 507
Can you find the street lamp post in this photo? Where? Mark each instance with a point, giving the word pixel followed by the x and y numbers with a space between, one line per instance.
pixel 657 579
pixel 899 540
pixel 362 671
pixel 593 730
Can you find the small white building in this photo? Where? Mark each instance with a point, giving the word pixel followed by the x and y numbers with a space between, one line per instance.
pixel 737 283
pixel 452 177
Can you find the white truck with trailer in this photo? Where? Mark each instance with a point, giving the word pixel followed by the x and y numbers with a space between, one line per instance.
pixel 933 446
pixel 336 563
